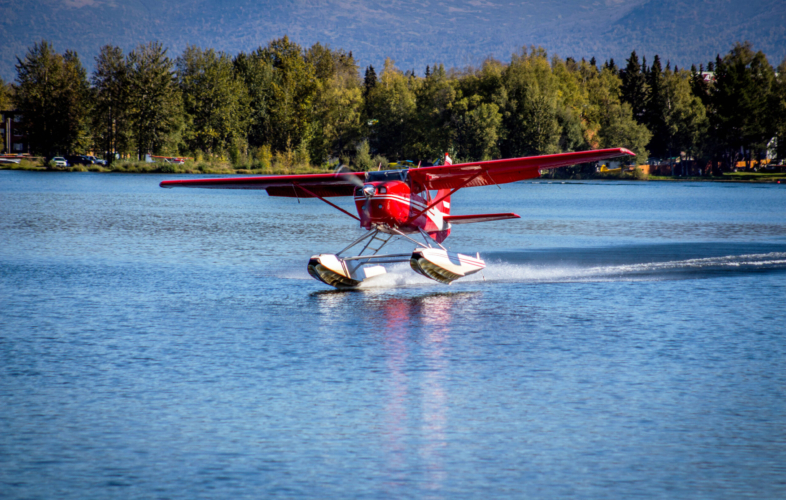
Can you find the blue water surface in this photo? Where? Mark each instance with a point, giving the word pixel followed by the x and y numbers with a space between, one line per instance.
pixel 626 340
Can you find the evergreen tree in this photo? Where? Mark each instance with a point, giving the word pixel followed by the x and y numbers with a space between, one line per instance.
pixel 634 87
pixel 155 109
pixel 778 108
pixel 742 103
pixel 76 100
pixel 369 81
pixel 110 114
pixel 655 111
pixel 52 94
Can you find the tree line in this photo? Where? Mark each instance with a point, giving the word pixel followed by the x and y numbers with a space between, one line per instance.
pixel 288 104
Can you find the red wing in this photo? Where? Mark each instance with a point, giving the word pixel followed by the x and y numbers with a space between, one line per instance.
pixel 471 219
pixel 324 185
pixel 503 171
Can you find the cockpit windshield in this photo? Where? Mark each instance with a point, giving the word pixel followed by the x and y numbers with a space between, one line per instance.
pixel 386 175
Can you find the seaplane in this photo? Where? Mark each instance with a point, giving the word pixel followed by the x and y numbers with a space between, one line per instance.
pixel 403 204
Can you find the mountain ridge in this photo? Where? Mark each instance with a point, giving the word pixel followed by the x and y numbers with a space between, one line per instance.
pixel 413 33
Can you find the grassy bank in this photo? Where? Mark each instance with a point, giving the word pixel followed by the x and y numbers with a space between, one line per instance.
pixel 727 177
pixel 191 167
pixel 131 167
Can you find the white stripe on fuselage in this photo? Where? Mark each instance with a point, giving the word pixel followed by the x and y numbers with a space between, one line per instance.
pixel 433 213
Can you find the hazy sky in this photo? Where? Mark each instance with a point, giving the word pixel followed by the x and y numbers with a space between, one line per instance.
pixel 412 32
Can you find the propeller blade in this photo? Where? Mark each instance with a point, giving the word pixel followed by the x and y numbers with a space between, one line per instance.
pixel 353 179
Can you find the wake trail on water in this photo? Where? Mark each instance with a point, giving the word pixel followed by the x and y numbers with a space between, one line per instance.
pixel 632 263
pixel 646 271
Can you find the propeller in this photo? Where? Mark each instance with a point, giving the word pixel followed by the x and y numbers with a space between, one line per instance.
pixel 368 191
pixel 353 179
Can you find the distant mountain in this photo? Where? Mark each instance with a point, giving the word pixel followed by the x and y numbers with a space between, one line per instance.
pixel 412 32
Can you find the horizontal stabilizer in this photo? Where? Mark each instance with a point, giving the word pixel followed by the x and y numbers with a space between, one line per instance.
pixel 470 219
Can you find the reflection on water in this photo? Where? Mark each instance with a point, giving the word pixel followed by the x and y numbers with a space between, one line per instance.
pixel 413 405
pixel 437 324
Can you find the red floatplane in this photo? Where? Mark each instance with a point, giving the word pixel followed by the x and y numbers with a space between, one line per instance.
pixel 402 204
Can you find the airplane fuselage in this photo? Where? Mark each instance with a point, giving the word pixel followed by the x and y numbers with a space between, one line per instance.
pixel 389 199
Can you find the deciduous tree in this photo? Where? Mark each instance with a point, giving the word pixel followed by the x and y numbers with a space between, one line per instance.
pixel 392 103
pixel 214 99
pixel 293 89
pixel 618 128
pixel 531 108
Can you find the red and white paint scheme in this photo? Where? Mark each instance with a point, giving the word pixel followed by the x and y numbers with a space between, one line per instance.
pixel 402 204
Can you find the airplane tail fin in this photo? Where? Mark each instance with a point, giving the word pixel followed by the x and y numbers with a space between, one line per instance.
pixel 444 205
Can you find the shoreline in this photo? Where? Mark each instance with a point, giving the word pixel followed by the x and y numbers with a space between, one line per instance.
pixel 744 178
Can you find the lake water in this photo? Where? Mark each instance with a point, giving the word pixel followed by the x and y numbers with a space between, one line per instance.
pixel 626 340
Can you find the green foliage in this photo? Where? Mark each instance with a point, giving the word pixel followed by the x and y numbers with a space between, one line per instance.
pixel 639 174
pixel 257 74
pixel 215 102
pixel 283 107
pixel 634 88
pixel 292 91
pixel 338 103
pixel 393 103
pixel 741 99
pixel 110 122
pixel 54 97
pixel 264 156
pixel 5 96
pixel 476 128
pixel 531 105
pixel 379 162
pixel 155 107
pixel 363 160
pixel 617 127
pixel 655 111
pixel 778 108
pixel 685 116
pixel 435 97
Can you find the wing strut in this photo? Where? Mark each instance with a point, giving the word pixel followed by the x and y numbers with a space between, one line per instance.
pixel 323 199
pixel 434 203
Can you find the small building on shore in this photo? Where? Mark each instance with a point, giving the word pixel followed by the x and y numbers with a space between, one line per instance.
pixel 12 140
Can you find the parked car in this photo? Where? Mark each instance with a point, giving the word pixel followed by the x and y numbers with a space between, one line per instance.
pixel 97 161
pixel 78 160
pixel 60 161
